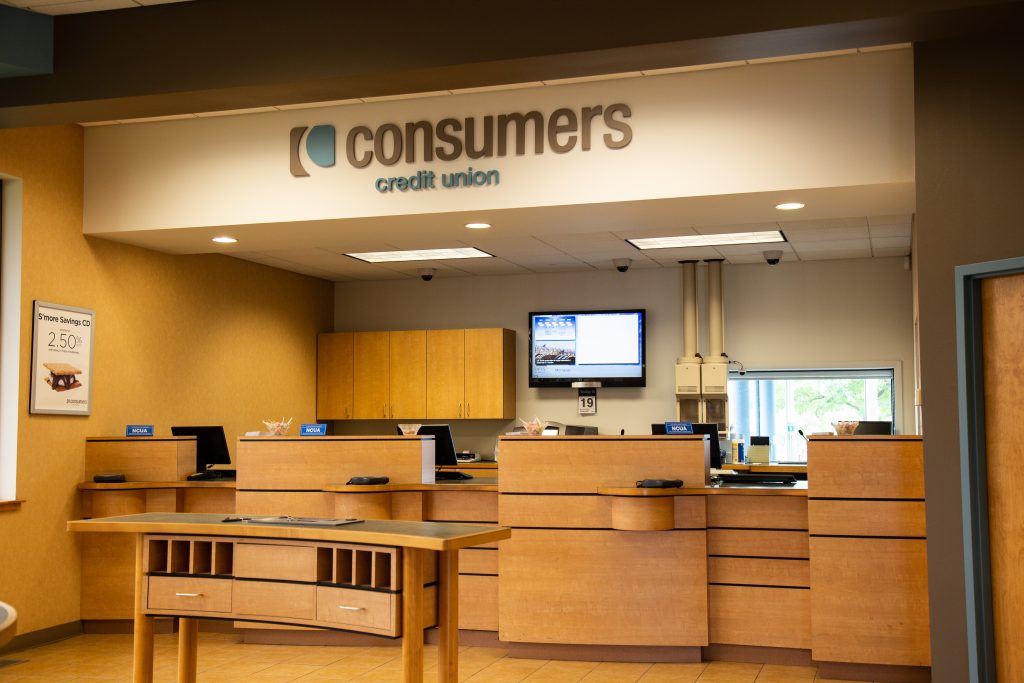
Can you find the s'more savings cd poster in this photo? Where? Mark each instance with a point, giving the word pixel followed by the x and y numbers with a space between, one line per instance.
pixel 62 343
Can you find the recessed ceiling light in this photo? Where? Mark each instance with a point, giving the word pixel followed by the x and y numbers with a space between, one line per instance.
pixel 478 226
pixel 708 240
pixel 420 255
pixel 789 206
pixel 224 240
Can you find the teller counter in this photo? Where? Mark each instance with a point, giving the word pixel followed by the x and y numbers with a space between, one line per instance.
pixel 597 568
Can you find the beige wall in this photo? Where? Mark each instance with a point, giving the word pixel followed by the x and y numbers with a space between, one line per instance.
pixel 205 339
pixel 779 316
pixel 969 108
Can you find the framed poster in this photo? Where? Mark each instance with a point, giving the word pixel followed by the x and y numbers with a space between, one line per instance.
pixel 61 359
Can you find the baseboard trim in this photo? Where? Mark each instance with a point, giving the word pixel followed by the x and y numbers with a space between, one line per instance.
pixel 604 653
pixel 881 673
pixel 756 654
pixel 265 636
pixel 43 636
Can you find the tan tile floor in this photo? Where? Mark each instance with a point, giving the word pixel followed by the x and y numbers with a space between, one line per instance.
pixel 223 658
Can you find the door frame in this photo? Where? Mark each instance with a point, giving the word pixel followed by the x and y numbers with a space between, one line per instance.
pixel 973 461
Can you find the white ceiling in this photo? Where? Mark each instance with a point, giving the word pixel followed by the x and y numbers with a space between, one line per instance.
pixel 544 239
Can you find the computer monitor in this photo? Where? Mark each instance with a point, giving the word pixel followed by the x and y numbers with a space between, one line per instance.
pixel 580 430
pixel 211 446
pixel 444 445
pixel 873 428
pixel 711 429
pixel 658 429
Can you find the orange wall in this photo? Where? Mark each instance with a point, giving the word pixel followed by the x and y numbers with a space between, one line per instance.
pixel 178 339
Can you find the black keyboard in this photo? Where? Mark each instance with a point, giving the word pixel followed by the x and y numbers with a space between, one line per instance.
pixel 758 478
pixel 451 475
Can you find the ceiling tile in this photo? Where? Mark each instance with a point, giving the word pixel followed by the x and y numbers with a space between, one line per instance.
pixel 891 251
pixel 889 231
pixel 723 229
pixel 831 246
pixel 836 254
pixel 673 256
pixel 78 6
pixel 900 219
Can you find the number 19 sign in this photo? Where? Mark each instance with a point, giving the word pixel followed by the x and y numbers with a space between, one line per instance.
pixel 61 359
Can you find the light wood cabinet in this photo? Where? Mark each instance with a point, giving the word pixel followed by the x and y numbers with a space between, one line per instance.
pixel 416 374
pixel 371 389
pixel 490 374
pixel 446 373
pixel 408 374
pixel 334 376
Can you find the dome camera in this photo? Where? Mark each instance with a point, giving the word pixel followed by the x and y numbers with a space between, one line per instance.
pixel 773 256
pixel 427 274
pixel 622 264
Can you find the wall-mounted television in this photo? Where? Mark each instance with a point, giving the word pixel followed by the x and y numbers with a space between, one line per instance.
pixel 588 346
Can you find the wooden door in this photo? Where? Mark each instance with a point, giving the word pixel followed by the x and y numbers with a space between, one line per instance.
pixel 371 372
pixel 408 375
pixel 334 376
pixel 446 374
pixel 1002 315
pixel 490 373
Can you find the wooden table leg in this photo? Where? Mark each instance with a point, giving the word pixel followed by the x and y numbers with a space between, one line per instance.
pixel 142 657
pixel 448 617
pixel 412 615
pixel 188 640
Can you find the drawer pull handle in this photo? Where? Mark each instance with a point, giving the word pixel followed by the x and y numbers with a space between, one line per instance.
pixel 351 609
pixel 188 595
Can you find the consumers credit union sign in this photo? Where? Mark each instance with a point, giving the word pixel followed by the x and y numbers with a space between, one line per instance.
pixel 471 138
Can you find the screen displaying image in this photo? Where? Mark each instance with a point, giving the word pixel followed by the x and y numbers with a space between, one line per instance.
pixel 605 346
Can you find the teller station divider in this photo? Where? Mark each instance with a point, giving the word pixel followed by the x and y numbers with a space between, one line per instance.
pixel 831 571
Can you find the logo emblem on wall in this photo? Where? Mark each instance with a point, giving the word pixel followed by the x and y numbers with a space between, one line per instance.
pixel 319 148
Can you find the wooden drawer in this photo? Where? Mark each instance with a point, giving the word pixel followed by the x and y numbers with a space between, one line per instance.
pixel 474 561
pixel 869 601
pixel 358 610
pixel 757 512
pixel 867 518
pixel 461 506
pixel 478 602
pixel 765 617
pixel 185 594
pixel 753 571
pixel 274 600
pixel 752 543
pixel 274 561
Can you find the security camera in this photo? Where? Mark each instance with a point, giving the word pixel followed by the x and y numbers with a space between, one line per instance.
pixel 773 256
pixel 427 274
pixel 622 264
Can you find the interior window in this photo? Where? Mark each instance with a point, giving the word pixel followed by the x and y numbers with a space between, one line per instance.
pixel 778 403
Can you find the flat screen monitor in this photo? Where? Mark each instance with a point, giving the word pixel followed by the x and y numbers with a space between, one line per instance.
pixel 444 445
pixel 211 446
pixel 711 429
pixel 658 429
pixel 873 428
pixel 588 346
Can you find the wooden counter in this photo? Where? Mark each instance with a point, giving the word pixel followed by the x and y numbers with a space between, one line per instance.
pixel 656 574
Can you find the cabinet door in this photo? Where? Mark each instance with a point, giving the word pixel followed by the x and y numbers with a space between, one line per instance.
pixel 446 373
pixel 371 372
pixel 490 373
pixel 408 371
pixel 334 376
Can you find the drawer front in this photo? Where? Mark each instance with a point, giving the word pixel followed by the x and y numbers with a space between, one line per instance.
pixel 756 571
pixel 757 512
pixel 358 610
pixel 281 562
pixel 186 594
pixel 763 617
pixel 272 600
pixel 868 518
pixel 475 561
pixel 751 543
pixel 478 603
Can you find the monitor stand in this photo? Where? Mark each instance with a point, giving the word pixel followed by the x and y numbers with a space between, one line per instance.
pixel 450 475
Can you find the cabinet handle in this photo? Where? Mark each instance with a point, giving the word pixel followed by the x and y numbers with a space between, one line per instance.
pixel 351 609
pixel 467 410
pixel 384 410
pixel 460 410
pixel 188 595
